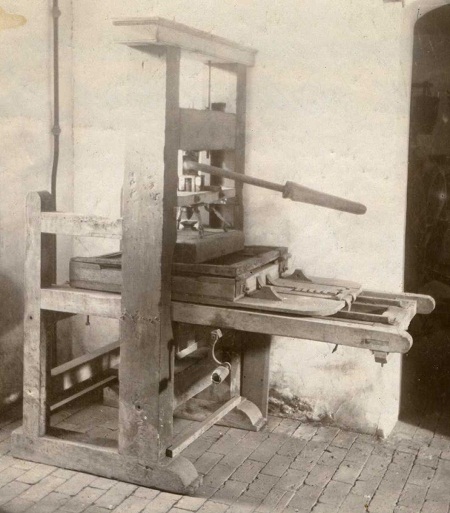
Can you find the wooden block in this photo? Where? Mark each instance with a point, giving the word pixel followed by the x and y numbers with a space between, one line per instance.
pixel 207 130
pixel 191 248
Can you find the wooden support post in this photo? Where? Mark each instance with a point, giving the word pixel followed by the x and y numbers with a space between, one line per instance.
pixel 239 147
pixel 255 369
pixel 149 236
pixel 38 326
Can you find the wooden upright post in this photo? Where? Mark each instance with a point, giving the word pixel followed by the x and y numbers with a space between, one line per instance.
pixel 39 331
pixel 149 236
pixel 239 151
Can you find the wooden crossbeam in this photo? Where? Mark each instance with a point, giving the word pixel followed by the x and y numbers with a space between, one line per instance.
pixel 86 367
pixel 191 434
pixel 81 225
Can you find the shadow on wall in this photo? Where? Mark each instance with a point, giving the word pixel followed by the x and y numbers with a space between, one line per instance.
pixel 11 308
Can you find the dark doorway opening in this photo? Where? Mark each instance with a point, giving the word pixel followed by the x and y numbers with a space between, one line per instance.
pixel 426 369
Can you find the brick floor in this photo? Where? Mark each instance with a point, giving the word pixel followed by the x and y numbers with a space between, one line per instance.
pixel 288 467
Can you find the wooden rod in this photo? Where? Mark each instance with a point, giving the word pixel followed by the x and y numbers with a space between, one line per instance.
pixel 291 190
pixel 238 177
pixel 191 434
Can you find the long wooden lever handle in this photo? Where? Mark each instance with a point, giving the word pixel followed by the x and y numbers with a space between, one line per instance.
pixel 291 190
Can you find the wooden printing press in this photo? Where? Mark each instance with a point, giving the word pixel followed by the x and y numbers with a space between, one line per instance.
pixel 197 308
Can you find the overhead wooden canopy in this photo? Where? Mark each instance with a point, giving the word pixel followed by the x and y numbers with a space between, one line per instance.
pixel 201 45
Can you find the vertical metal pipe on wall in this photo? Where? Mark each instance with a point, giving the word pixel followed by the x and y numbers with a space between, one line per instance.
pixel 56 13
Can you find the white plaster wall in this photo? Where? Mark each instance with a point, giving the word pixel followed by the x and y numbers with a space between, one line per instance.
pixel 26 159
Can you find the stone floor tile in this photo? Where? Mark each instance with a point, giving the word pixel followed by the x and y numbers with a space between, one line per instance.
pixel 435 507
pixel 12 490
pixel 75 484
pixel 190 503
pixel 248 471
pixel 320 475
pixel 207 461
pixel 39 490
pixel 348 472
pixel 292 479
pixel 412 496
pixel 305 498
pixel 111 498
pixel 229 492
pixel 132 504
pixel 35 474
pixel 49 504
pixel 421 475
pixel 79 502
pixel 332 456
pixel 277 465
pixel 344 439
pixel 17 505
pixel 287 427
pixel 335 493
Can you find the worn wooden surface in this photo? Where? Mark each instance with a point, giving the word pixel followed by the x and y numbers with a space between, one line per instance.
pixel 193 380
pixel 191 248
pixel 83 368
pixel 81 225
pixel 197 43
pixel 207 130
pixel 239 149
pixel 184 439
pixel 39 334
pixel 79 301
pixel 173 475
pixel 255 369
pixel 149 236
pixel 375 337
pixel 187 198
pixel 425 303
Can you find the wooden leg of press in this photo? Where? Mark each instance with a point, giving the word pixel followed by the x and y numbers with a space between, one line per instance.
pixel 255 369
pixel 251 414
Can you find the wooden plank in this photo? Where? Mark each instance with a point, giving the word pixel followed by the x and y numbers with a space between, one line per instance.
pixel 150 198
pixel 256 369
pixel 425 304
pixel 201 45
pixel 186 199
pixel 84 367
pixel 382 338
pixel 80 301
pixel 233 265
pixel 176 476
pixel 288 304
pixel 74 393
pixel 211 286
pixel 81 225
pixel 192 381
pixel 207 130
pixel 245 416
pixel 184 439
pixel 38 330
pixel 190 248
pixel 93 276
pixel 239 153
